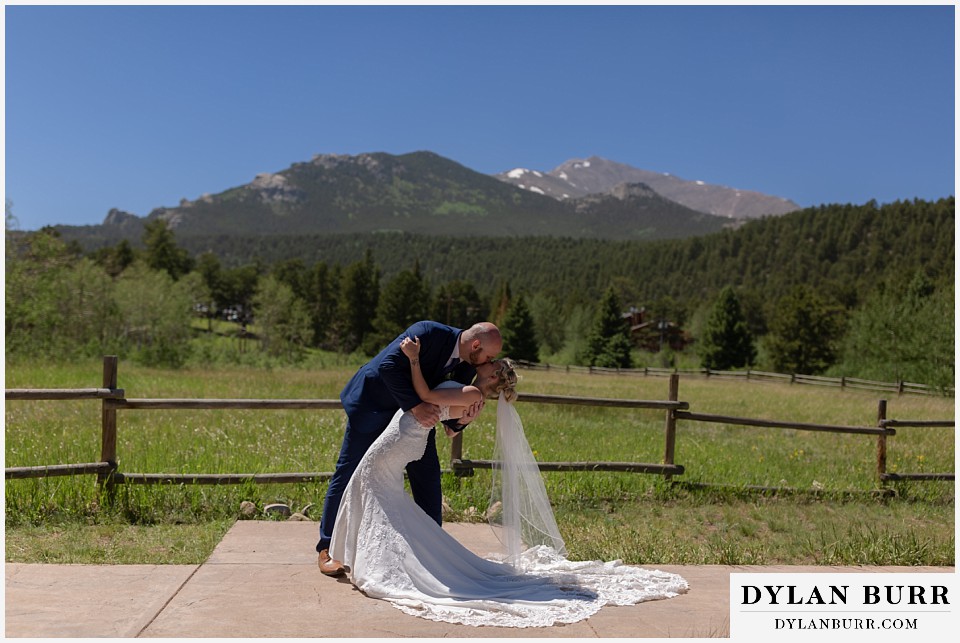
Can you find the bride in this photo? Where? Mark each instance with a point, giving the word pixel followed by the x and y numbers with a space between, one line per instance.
pixel 393 551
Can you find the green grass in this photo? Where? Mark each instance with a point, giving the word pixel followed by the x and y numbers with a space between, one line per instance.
pixel 115 543
pixel 830 516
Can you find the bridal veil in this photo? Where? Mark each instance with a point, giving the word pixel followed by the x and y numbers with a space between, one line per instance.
pixel 525 518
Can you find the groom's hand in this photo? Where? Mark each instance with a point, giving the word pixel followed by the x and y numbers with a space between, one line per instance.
pixel 427 414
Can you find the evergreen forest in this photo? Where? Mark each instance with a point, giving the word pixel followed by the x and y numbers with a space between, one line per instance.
pixel 857 290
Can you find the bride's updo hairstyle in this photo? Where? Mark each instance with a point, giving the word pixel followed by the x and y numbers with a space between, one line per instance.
pixel 506 379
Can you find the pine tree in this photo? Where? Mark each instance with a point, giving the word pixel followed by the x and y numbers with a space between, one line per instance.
pixel 457 304
pixel 321 301
pixel 237 289
pixel 162 252
pixel 804 333
pixel 117 259
pixel 293 272
pixel 501 302
pixel 519 336
pixel 727 342
pixel 548 321
pixel 357 303
pixel 609 343
pixel 404 300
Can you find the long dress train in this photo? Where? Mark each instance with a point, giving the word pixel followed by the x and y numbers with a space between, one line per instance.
pixel 396 552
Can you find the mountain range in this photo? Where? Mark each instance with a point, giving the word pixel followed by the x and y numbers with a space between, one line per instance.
pixel 424 193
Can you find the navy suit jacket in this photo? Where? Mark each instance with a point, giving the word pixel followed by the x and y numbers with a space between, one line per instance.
pixel 384 384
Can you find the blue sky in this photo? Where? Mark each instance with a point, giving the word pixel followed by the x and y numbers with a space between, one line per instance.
pixel 137 107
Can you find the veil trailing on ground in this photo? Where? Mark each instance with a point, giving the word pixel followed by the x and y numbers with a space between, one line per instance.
pixel 523 519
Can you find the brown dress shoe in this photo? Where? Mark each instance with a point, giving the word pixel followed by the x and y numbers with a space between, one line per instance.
pixel 328 565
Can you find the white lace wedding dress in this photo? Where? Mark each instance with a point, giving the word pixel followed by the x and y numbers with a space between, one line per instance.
pixel 395 552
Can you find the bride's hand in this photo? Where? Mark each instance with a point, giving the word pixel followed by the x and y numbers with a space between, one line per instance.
pixel 471 412
pixel 410 347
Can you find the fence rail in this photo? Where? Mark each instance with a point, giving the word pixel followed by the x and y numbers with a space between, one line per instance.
pixel 202 404
pixel 57 470
pixel 63 394
pixel 218 478
pixel 900 387
pixel 894 477
pixel 774 424
pixel 112 400
pixel 466 467
pixel 602 401
pixel 919 423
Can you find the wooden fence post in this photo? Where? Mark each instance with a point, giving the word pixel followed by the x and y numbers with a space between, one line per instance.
pixel 881 441
pixel 456 454
pixel 108 427
pixel 456 447
pixel 670 424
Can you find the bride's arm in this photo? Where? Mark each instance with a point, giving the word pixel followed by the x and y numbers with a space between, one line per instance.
pixel 452 397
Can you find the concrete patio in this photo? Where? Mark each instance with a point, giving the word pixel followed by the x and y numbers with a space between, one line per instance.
pixel 262 581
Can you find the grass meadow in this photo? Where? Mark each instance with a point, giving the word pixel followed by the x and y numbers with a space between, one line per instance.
pixel 827 511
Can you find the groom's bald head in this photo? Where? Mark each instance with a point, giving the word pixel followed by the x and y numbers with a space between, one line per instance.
pixel 480 343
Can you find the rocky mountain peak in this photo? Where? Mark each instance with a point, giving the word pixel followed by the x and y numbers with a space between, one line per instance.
pixel 596 175
pixel 630 190
pixel 117 217
pixel 274 188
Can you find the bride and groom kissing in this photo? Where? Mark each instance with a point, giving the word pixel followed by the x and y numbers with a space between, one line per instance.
pixel 393 547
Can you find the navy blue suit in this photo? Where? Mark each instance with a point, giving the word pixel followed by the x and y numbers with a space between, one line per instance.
pixel 372 397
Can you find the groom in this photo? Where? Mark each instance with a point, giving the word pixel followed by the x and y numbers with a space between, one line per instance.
pixel 383 385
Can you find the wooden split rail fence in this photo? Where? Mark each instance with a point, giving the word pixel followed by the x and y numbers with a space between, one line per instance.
pixel 900 387
pixel 113 399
